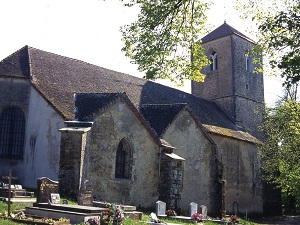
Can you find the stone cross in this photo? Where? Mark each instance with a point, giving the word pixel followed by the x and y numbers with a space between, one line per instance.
pixel 9 178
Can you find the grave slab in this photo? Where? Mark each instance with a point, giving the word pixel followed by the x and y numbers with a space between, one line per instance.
pixel 75 213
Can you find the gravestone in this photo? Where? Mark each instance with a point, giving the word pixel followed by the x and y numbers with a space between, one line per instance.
pixel 85 196
pixel 160 208
pixel 45 187
pixel 235 208
pixel 193 208
pixel 204 211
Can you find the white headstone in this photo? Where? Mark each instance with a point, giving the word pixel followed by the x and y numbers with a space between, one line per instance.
pixel 160 208
pixel 193 208
pixel 204 211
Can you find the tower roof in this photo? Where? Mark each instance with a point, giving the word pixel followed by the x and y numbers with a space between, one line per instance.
pixel 222 31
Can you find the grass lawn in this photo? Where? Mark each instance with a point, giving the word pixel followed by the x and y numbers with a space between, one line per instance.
pixel 145 218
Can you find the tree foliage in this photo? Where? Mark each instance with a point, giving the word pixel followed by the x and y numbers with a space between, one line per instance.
pixel 278 24
pixel 281 150
pixel 164 41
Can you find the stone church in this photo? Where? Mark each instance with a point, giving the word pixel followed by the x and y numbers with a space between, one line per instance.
pixel 137 141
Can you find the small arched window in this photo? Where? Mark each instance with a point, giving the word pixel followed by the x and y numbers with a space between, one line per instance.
pixel 12 133
pixel 213 61
pixel 123 160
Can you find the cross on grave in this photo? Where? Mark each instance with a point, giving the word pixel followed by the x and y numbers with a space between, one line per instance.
pixel 9 178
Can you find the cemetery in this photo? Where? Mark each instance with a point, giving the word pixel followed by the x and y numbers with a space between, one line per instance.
pixel 49 208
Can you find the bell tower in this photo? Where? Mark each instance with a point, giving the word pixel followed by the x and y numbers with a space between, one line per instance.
pixel 230 78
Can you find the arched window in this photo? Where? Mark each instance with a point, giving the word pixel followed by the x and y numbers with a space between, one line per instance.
pixel 12 133
pixel 123 160
pixel 213 61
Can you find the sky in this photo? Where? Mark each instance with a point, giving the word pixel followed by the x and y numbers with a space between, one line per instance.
pixel 88 30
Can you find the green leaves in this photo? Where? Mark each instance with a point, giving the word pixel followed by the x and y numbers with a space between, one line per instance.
pixel 281 150
pixel 164 41
pixel 278 24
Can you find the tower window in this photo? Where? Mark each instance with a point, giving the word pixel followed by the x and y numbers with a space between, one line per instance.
pixel 12 133
pixel 213 61
pixel 248 63
pixel 123 160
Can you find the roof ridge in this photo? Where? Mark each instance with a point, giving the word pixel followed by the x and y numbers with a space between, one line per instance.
pixel 164 104
pixel 224 30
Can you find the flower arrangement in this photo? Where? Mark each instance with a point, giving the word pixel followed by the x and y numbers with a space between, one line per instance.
pixel 171 212
pixel 197 216
pixel 118 216
pixel 93 221
pixel 113 215
pixel 234 218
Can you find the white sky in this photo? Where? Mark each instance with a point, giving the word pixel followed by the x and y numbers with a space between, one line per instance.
pixel 88 30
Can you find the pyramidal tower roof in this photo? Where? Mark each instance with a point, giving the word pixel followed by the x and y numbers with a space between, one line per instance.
pixel 222 31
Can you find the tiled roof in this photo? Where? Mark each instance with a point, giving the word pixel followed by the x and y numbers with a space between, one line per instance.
pixel 222 31
pixel 58 78
pixel 87 104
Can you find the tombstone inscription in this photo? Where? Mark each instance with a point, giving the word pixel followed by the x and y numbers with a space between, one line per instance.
pixel 45 187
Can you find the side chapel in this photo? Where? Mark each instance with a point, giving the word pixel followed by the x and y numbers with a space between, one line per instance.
pixel 137 141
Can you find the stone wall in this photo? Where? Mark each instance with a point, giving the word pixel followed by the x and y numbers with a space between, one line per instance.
pixel 170 185
pixel 242 175
pixel 201 169
pixel 72 158
pixel 111 126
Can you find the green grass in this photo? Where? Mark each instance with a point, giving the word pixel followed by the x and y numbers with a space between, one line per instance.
pixel 145 217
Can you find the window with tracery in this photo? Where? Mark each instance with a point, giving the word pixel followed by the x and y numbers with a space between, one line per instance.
pixel 213 61
pixel 123 160
pixel 12 133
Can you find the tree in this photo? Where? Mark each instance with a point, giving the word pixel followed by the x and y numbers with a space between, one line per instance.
pixel 164 41
pixel 278 24
pixel 281 149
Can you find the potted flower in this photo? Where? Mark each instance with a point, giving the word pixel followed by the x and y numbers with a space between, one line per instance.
pixel 234 219
pixel 197 216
